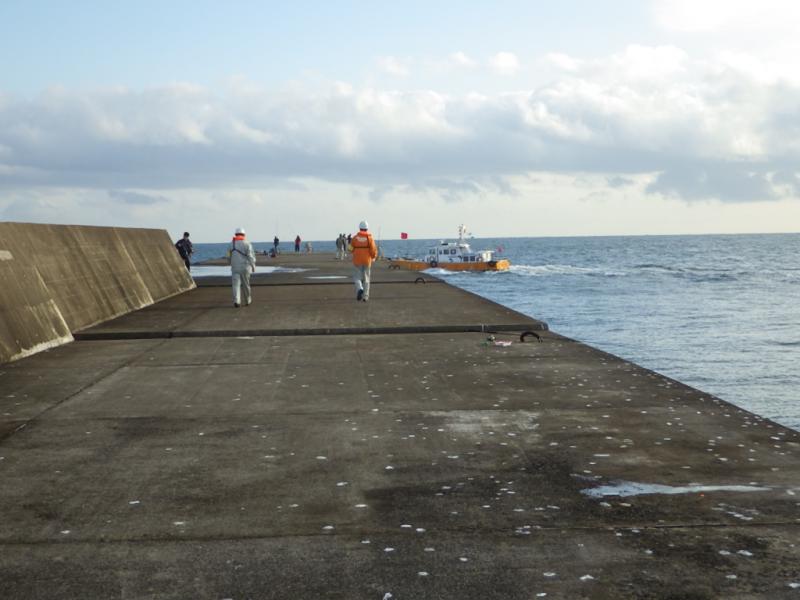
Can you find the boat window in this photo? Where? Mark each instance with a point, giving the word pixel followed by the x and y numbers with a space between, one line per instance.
pixel 452 250
pixel 431 251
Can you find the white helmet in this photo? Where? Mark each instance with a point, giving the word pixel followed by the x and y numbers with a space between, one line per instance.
pixel 363 225
pixel 240 231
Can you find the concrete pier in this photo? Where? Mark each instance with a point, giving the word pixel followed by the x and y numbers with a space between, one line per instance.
pixel 310 446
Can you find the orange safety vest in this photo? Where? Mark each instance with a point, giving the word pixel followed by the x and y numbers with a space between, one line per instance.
pixel 363 248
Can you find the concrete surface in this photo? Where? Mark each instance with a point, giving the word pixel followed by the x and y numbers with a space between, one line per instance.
pixel 386 466
pixel 57 279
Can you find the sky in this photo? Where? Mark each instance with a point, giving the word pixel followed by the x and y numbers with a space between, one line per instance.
pixel 517 118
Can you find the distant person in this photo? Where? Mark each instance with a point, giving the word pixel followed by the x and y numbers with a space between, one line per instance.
pixel 184 246
pixel 297 241
pixel 275 242
pixel 340 247
pixel 243 262
pixel 309 248
pixel 364 251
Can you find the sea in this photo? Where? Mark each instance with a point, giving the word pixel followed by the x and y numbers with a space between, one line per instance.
pixel 718 312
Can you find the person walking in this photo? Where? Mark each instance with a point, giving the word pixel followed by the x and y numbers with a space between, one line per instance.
pixel 339 247
pixel 297 241
pixel 243 262
pixel 362 246
pixel 184 246
pixel 275 242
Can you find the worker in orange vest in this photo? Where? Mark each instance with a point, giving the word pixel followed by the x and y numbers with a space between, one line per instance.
pixel 362 247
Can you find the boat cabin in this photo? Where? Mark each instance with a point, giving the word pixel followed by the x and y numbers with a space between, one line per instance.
pixel 457 252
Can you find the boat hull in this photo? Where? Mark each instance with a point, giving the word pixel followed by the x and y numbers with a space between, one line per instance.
pixel 418 265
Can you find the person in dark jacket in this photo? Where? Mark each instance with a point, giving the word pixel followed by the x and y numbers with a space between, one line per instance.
pixel 184 246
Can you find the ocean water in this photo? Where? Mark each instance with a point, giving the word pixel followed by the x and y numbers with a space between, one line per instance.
pixel 718 312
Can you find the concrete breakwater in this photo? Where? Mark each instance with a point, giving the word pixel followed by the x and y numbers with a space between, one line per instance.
pixel 194 450
pixel 58 279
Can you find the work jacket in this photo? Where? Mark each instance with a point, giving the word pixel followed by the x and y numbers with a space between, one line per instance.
pixel 243 257
pixel 363 249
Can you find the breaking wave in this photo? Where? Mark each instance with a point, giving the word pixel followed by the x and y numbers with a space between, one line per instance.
pixel 556 269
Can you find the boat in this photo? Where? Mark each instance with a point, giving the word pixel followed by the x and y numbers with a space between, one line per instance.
pixel 453 256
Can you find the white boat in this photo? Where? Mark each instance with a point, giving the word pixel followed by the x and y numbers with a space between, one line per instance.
pixel 453 256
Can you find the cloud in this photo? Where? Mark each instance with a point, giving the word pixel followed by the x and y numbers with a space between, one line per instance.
pixel 701 128
pixel 788 180
pixel 394 66
pixel 563 61
pixel 620 182
pixel 707 181
pixel 460 59
pixel 136 198
pixel 449 190
pixel 505 63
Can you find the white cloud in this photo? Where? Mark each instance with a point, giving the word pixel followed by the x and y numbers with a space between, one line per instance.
pixel 563 61
pixel 505 63
pixel 394 66
pixel 460 59
pixel 757 37
pixel 700 128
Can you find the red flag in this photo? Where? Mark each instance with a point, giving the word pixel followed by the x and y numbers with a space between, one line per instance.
pixel 403 235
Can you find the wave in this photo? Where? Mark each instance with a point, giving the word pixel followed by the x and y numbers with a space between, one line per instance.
pixel 694 274
pixel 555 269
pixel 656 267
pixel 711 277
pixel 441 272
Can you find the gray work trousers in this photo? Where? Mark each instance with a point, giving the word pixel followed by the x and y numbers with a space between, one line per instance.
pixel 240 282
pixel 361 278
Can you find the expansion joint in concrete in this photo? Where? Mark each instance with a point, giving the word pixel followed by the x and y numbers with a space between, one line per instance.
pixel 84 387
pixel 359 535
pixel 310 331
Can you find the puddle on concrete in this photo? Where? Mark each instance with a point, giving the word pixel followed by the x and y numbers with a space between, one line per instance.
pixel 221 271
pixel 632 488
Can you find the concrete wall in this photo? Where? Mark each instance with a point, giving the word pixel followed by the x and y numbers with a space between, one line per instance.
pixel 57 279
